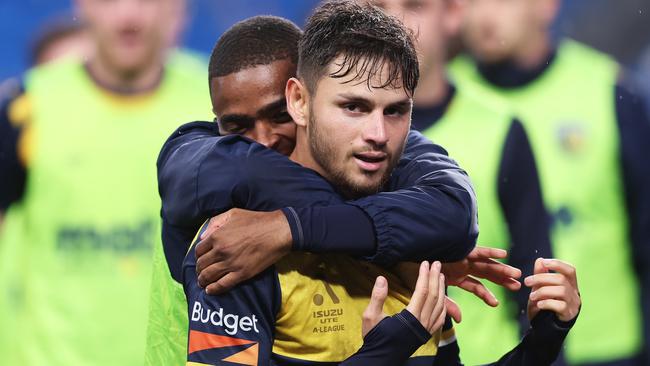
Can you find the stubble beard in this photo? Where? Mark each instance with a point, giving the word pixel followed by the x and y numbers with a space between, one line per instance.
pixel 325 154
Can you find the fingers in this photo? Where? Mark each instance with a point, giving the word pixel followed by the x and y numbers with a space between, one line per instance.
pixel 561 267
pixel 485 252
pixel 440 304
pixel 544 279
pixel 433 299
pixel 440 322
pixel 539 266
pixel 208 258
pixel 207 238
pixel 374 312
pixel 378 297
pixel 204 246
pixel 490 268
pixel 420 293
pixel 511 284
pixel 556 306
pixel 211 274
pixel 225 283
pixel 556 291
pixel 477 288
pixel 453 309
pixel 548 292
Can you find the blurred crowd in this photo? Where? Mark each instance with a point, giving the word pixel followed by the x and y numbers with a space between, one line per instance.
pixel 557 151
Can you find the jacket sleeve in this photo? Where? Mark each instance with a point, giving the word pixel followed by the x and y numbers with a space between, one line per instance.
pixel 179 166
pixel 427 212
pixel 542 343
pixel 391 342
pixel 202 174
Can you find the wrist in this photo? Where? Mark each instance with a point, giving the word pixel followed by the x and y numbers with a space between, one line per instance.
pixel 282 231
pixel 295 227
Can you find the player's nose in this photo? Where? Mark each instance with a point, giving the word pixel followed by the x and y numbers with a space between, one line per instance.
pixel 375 130
pixel 264 134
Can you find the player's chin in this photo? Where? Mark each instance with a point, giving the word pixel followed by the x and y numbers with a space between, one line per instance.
pixel 366 183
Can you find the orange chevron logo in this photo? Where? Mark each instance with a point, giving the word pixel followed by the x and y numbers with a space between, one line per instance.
pixel 201 341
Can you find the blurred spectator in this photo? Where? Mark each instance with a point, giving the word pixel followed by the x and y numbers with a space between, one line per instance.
pixel 494 150
pixel 61 37
pixel 78 146
pixel 590 137
pixel 644 75
pixel 620 28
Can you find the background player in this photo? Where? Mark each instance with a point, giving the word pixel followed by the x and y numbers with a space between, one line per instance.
pixel 78 147
pixel 494 149
pixel 590 136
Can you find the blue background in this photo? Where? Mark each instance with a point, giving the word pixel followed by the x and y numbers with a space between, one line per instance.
pixel 620 27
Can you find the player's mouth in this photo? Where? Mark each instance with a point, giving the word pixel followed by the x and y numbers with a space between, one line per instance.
pixel 371 161
pixel 129 37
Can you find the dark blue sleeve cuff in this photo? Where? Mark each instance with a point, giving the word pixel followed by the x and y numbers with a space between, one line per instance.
pixel 296 229
pixel 391 342
pixel 331 229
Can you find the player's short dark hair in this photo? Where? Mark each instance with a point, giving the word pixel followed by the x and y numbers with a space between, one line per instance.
pixel 259 40
pixel 366 38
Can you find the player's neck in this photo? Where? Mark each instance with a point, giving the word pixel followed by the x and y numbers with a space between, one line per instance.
pixel 432 88
pixel 132 82
pixel 534 52
pixel 302 153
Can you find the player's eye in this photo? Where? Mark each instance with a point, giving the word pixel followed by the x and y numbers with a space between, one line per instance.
pixel 352 107
pixel 395 111
pixel 233 129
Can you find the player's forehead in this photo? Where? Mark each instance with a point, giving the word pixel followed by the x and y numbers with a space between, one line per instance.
pixel 399 4
pixel 368 79
pixel 252 89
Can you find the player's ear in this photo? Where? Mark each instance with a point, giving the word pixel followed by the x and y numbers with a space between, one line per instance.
pixel 297 101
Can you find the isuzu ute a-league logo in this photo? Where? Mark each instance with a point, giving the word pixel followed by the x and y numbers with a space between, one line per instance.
pixel 328 318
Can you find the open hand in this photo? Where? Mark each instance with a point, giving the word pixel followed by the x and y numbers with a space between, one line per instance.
pixel 481 263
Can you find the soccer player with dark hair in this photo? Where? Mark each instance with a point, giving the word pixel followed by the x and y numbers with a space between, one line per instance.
pixel 494 149
pixel 250 101
pixel 352 182
pixel 590 134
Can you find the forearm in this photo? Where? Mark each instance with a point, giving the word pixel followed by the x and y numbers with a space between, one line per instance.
pixel 328 229
pixel 178 166
pixel 427 212
pixel 427 222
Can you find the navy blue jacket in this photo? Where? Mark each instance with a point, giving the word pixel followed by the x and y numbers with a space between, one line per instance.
pixel 244 319
pixel 427 211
